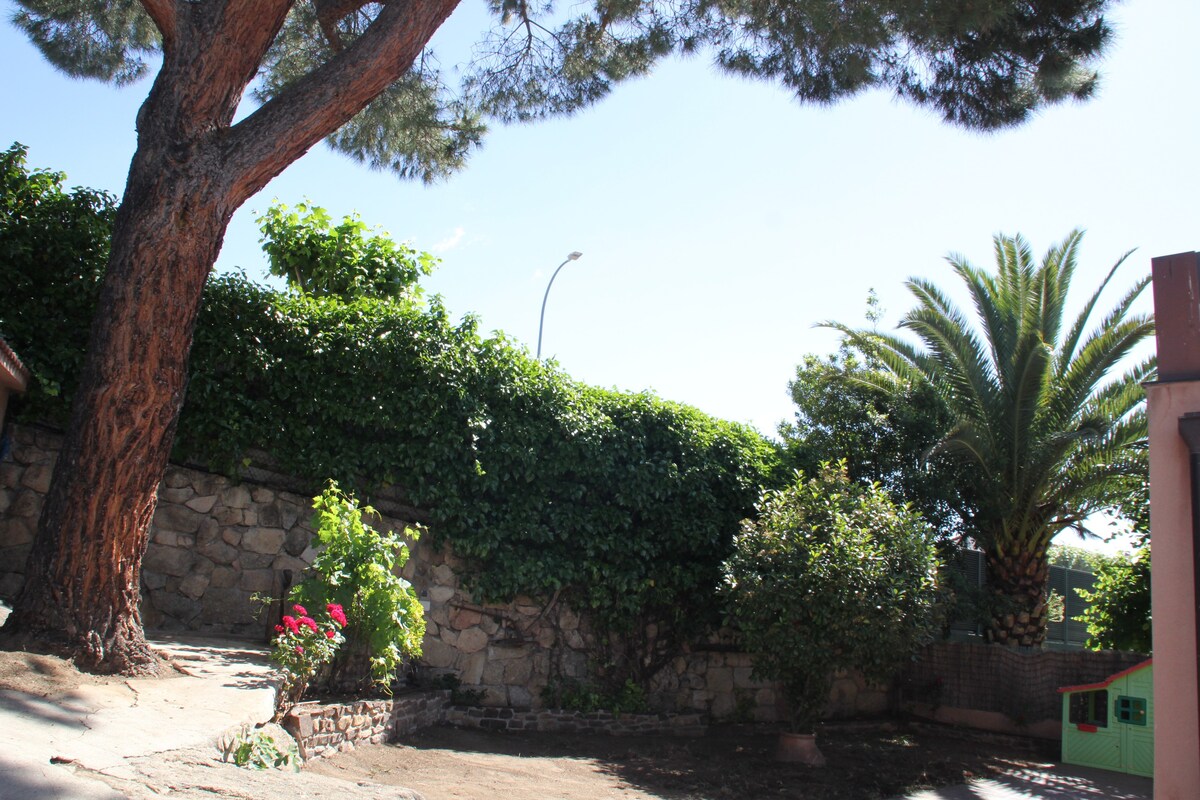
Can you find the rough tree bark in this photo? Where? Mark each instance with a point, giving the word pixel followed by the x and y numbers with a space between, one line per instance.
pixel 193 168
pixel 1019 582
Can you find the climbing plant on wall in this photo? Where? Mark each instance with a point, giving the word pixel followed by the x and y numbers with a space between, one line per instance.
pixel 623 503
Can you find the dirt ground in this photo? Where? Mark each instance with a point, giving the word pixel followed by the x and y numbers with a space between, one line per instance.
pixel 43 675
pixel 865 761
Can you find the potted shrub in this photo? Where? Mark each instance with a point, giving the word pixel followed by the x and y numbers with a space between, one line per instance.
pixel 832 575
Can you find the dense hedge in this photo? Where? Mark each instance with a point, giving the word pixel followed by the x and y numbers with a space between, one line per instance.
pixel 626 501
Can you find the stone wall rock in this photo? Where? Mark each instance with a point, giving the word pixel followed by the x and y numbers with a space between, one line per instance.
pixel 216 544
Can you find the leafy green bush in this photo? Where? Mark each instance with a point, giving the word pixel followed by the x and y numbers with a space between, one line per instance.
pixel 833 575
pixel 1119 617
pixel 53 250
pixel 628 698
pixel 355 573
pixel 622 504
pixel 257 749
pixel 322 259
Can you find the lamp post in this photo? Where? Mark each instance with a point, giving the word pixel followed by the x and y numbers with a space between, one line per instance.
pixel 572 257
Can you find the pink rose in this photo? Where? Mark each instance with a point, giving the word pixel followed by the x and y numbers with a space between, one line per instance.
pixel 330 634
pixel 291 624
pixel 300 610
pixel 279 629
pixel 336 614
pixel 309 623
pixel 299 649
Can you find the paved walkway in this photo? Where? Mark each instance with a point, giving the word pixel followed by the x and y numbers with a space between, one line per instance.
pixel 98 727
pixel 1054 782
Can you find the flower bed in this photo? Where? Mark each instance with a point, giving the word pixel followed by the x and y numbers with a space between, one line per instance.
pixel 327 728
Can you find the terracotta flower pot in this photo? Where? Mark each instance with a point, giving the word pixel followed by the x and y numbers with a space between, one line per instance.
pixel 799 748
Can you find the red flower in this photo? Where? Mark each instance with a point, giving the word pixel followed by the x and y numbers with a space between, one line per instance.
pixel 330 634
pixel 279 629
pixel 309 623
pixel 336 614
pixel 300 610
pixel 291 624
pixel 299 649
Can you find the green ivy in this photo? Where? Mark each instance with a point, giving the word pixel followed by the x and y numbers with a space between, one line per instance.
pixel 53 249
pixel 622 503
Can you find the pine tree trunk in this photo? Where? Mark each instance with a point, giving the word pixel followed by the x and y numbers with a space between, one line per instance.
pixel 1018 583
pixel 84 573
pixel 193 168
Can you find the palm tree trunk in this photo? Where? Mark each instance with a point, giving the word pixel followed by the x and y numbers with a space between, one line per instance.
pixel 1018 583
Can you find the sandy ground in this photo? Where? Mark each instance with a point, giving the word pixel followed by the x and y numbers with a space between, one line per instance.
pixel 876 760
pixel 866 760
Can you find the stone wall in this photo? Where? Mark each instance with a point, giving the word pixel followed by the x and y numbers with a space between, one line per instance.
pixel 322 729
pixel 216 543
pixel 328 728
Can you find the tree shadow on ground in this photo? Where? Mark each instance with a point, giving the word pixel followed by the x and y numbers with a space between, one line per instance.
pixel 864 761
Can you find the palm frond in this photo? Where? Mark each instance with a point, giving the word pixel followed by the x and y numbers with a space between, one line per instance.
pixel 1067 348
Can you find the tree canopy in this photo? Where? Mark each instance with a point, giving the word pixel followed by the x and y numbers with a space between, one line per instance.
pixel 1052 434
pixel 983 65
pixel 883 436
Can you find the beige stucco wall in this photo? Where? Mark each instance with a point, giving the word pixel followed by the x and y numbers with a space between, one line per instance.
pixel 1177 724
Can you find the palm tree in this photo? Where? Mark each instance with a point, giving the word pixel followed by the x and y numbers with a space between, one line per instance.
pixel 1052 436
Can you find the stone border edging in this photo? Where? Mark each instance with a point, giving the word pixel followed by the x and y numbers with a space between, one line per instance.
pixel 562 721
pixel 327 728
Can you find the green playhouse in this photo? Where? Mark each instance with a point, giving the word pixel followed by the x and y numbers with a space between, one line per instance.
pixel 1110 724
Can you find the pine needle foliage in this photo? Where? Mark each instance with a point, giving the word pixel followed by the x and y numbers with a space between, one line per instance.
pixel 982 65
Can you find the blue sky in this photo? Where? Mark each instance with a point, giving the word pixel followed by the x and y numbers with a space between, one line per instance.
pixel 718 218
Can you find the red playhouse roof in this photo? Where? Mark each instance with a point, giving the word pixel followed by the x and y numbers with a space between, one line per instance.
pixel 1104 684
pixel 13 373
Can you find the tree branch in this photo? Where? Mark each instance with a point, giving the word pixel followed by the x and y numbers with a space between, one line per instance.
pixel 165 18
pixel 220 48
pixel 330 12
pixel 262 145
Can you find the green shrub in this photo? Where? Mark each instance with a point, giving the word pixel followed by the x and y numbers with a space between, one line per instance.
pixel 622 504
pixel 322 259
pixel 355 571
pixel 585 697
pixel 1119 617
pixel 53 250
pixel 257 749
pixel 833 575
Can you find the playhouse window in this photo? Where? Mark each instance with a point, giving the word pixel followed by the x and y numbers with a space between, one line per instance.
pixel 1090 708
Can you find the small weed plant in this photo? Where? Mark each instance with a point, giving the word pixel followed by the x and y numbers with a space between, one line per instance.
pixel 628 698
pixel 257 749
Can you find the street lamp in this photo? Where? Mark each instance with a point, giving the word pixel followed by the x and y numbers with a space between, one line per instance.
pixel 572 257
